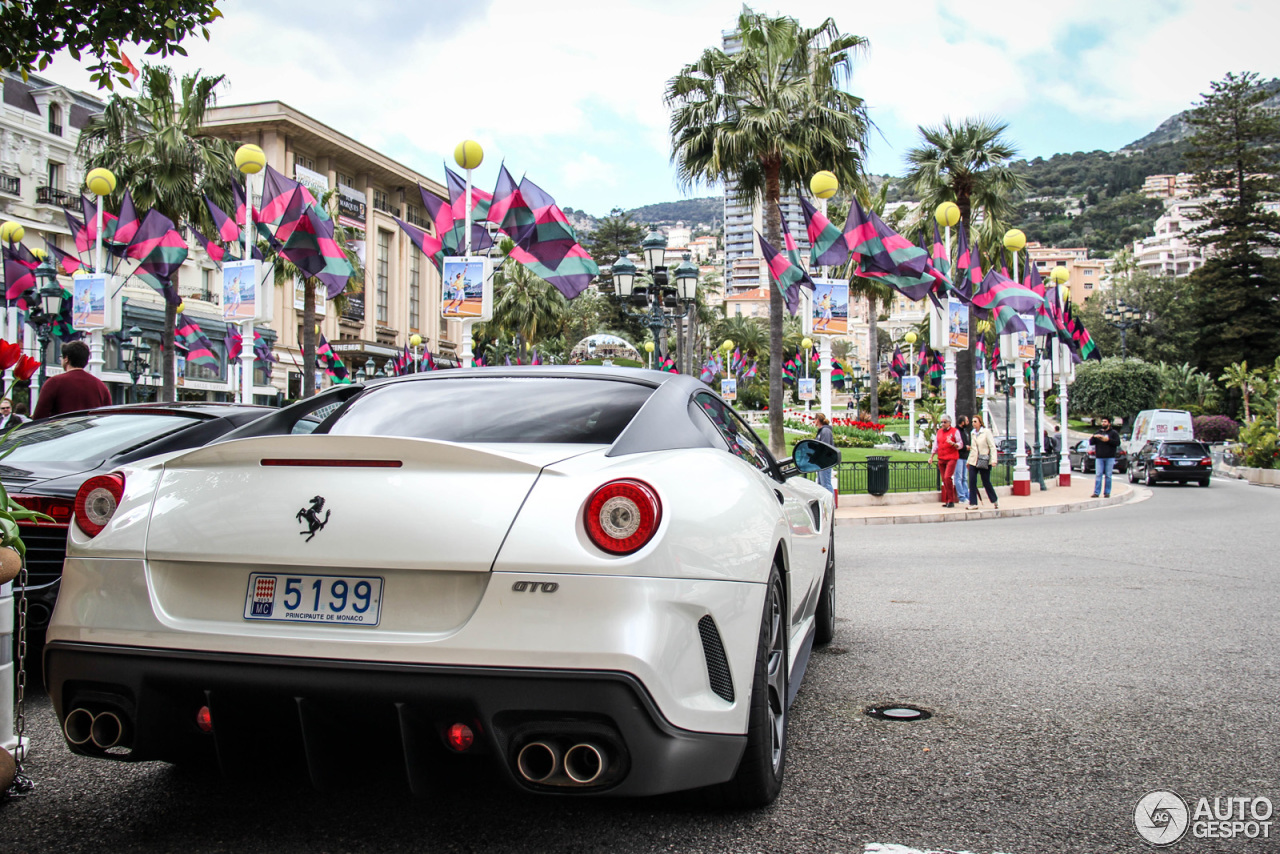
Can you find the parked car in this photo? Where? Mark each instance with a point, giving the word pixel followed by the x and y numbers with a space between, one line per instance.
pixel 593 579
pixel 1082 458
pixel 1172 461
pixel 47 461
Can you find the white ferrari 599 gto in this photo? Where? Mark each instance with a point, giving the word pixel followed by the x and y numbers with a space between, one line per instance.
pixel 597 579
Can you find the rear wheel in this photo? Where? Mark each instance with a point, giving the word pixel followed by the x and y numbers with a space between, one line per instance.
pixel 1133 475
pixel 825 618
pixel 759 776
pixel 1204 482
pixel 1151 476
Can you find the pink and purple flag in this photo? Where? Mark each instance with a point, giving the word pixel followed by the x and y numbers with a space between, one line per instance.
pixel 188 336
pixel 827 247
pixel 480 202
pixel 788 276
pixel 884 254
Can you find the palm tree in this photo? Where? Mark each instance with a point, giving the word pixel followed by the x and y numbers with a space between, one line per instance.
pixel 969 164
pixel 768 117
pixel 749 334
pixel 1239 375
pixel 524 305
pixel 155 145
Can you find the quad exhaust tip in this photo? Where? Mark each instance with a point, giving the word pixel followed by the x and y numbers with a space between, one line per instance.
pixel 582 764
pixel 104 729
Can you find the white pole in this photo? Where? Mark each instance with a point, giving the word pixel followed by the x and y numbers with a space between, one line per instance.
pixel 911 404
pixel 246 329
pixel 466 341
pixel 95 337
pixel 1021 471
pixel 468 213
pixel 1064 363
pixel 824 368
pixel 949 365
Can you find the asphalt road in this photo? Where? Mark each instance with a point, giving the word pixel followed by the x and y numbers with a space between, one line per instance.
pixel 1072 664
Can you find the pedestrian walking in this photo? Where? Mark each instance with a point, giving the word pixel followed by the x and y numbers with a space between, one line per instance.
pixel 982 456
pixel 946 450
pixel 962 469
pixel 825 435
pixel 73 389
pixel 1105 444
pixel 8 418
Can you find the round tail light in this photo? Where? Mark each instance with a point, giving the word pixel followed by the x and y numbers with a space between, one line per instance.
pixel 622 516
pixel 96 502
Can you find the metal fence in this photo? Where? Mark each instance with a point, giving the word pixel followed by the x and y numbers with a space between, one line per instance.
pixel 921 476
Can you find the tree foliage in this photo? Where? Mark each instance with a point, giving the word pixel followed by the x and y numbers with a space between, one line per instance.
pixel 768 117
pixel 1115 388
pixel 1168 326
pixel 33 31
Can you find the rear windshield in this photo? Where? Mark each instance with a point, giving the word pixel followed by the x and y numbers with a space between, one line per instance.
pixel 498 409
pixel 89 437
pixel 1185 449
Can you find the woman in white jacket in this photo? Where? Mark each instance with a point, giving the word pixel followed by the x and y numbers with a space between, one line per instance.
pixel 982 443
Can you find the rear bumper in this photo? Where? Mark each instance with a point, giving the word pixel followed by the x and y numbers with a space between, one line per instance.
pixel 314 714
pixel 1180 474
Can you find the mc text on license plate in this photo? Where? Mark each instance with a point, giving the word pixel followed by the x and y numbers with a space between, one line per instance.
pixel 330 600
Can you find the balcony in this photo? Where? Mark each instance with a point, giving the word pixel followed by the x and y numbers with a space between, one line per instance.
pixel 11 184
pixel 386 207
pixel 420 221
pixel 54 196
pixel 55 129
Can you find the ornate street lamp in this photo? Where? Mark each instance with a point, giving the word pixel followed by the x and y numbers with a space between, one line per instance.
pixel 48 305
pixel 657 304
pixel 1124 317
pixel 133 360
pixel 1014 241
pixel 415 342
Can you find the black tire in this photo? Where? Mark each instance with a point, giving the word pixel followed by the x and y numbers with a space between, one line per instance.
pixel 1133 475
pixel 759 776
pixel 1204 482
pixel 825 617
pixel 1151 476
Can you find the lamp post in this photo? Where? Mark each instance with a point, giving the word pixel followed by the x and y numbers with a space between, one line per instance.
pixel 1014 240
pixel 1059 276
pixel 807 345
pixel 1002 377
pixel 856 371
pixel 1037 460
pixel 47 307
pixel 656 304
pixel 133 360
pixel 1124 317
pixel 415 345
pixel 11 233
pixel 911 404
pixel 648 354
pixel 947 215
pixel 824 185
pixel 102 183
pixel 250 160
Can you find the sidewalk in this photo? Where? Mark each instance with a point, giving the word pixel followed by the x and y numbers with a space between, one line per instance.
pixel 916 508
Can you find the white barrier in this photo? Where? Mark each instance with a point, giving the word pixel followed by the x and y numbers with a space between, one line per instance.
pixel 8 670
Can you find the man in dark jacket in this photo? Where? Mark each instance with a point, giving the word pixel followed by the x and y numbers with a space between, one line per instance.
pixel 1105 444
pixel 74 388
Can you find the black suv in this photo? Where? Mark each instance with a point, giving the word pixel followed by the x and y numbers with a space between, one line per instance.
pixel 1176 460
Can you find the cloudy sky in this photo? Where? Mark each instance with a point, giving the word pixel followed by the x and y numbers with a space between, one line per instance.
pixel 571 93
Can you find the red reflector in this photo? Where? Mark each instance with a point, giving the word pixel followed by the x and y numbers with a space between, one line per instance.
pixel 338 464
pixel 204 719
pixel 60 509
pixel 460 737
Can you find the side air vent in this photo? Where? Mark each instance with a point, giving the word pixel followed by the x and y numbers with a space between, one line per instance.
pixel 717 662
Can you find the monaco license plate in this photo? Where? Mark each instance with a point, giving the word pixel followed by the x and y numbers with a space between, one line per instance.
pixel 1186 462
pixel 331 600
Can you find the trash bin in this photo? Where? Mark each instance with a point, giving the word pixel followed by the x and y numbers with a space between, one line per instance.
pixel 877 475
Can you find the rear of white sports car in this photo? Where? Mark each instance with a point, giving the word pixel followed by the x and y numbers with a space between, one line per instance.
pixel 585 610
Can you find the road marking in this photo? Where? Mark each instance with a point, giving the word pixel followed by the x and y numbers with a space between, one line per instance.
pixel 893 848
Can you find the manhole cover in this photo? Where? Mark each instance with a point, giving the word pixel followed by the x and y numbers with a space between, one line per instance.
pixel 898 712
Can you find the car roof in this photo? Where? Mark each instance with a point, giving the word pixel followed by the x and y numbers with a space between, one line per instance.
pixel 200 408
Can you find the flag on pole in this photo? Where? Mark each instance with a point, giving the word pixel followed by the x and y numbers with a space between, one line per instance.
pixel 571 276
pixel 427 245
pixel 215 251
pixel 19 270
pixel 65 261
pixel 188 336
pixel 787 276
pixel 127 224
pixel 898 367
pixel 884 254
pixel 793 255
pixel 552 238
pixel 508 209
pixel 480 202
pixel 827 247
pixel 262 354
pixel 277 193
pixel 234 341
pixel 228 231
pixel 331 362
pixel 161 250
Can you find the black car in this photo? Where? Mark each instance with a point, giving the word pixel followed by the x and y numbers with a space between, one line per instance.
pixel 46 461
pixel 1173 461
pixel 1082 458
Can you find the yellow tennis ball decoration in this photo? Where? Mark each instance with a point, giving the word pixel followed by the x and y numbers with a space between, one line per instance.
pixel 415 340
pixel 807 343
pixel 12 232
pixel 824 184
pixel 727 345
pixel 947 214
pixel 39 254
pixel 182 306
pixel 100 182
pixel 1014 240
pixel 648 346
pixel 984 326
pixel 250 159
pixel 468 154
pixel 910 337
pixel 1058 275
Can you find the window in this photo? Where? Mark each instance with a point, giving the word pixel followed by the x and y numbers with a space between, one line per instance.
pixel 346 180
pixel 55 119
pixel 741 440
pixel 304 161
pixel 1089 272
pixel 497 409
pixel 210 292
pixel 380 200
pixel 54 176
pixel 415 271
pixel 384 267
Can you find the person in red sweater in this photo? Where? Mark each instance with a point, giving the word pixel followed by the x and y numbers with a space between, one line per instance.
pixel 73 389
pixel 946 448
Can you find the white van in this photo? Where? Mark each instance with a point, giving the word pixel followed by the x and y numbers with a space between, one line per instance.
pixel 1159 424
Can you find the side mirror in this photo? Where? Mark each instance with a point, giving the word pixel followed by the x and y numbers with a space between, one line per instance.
pixel 810 456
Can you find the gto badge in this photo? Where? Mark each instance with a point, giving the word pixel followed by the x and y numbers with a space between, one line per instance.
pixel 535 587
pixel 311 516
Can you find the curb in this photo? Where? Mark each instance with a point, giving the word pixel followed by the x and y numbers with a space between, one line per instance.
pixel 975 515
